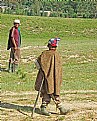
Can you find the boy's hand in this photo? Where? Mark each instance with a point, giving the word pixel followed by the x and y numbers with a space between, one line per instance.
pixel 15 48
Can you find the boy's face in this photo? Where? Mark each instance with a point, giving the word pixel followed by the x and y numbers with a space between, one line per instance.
pixel 16 25
pixel 51 47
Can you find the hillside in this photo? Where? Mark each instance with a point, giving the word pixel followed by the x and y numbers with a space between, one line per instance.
pixel 78 45
pixel 44 27
pixel 78 48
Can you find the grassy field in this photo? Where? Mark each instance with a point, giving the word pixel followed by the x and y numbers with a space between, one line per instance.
pixel 78 48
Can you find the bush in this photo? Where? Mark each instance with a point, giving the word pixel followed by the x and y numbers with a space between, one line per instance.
pixel 54 14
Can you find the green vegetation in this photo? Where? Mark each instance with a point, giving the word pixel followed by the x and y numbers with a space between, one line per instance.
pixel 78 48
pixel 57 8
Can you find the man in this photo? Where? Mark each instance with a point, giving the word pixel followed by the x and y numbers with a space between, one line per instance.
pixel 51 71
pixel 14 43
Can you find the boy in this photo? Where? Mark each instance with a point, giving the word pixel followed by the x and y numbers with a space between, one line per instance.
pixel 51 71
pixel 14 43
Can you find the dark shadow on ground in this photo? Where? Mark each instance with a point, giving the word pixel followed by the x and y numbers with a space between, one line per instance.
pixel 19 108
pixel 4 69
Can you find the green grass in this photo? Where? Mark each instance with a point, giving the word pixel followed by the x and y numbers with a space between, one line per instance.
pixel 78 48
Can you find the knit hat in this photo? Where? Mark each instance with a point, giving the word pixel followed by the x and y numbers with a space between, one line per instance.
pixel 54 42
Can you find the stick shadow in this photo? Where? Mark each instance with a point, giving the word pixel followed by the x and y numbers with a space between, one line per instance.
pixel 4 69
pixel 19 108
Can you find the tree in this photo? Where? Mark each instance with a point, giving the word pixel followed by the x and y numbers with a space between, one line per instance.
pixel 59 8
pixel 36 7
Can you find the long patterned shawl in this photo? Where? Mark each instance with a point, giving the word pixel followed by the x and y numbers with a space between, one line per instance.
pixel 50 62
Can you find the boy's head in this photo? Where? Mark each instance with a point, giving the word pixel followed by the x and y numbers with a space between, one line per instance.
pixel 16 23
pixel 53 43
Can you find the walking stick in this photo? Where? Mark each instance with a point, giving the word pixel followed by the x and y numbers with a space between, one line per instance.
pixel 38 95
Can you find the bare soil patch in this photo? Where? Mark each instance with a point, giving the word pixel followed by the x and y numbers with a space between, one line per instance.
pixel 18 107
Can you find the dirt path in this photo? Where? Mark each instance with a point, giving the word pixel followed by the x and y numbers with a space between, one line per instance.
pixel 18 106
